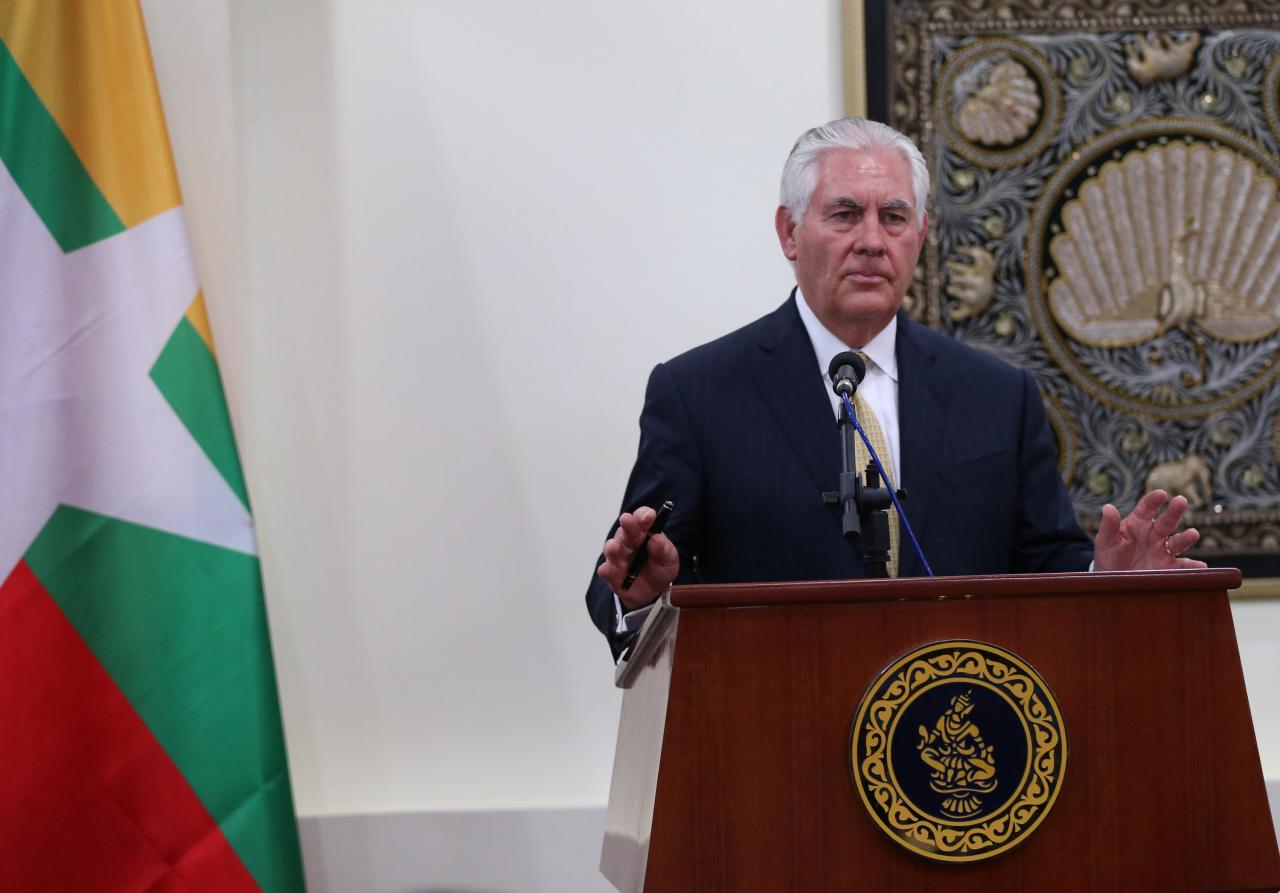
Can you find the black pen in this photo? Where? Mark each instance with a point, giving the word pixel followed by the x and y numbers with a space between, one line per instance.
pixel 642 554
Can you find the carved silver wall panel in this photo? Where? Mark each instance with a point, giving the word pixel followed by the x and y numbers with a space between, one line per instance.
pixel 1106 214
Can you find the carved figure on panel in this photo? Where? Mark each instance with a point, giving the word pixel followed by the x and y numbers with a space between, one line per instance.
pixel 1182 299
pixel 970 281
pixel 1188 476
pixel 1160 57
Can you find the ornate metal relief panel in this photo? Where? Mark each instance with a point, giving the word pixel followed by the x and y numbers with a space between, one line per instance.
pixel 1106 215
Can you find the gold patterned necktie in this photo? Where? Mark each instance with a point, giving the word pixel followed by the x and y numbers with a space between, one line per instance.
pixel 870 424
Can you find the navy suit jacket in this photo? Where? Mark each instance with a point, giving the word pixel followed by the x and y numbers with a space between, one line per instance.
pixel 740 435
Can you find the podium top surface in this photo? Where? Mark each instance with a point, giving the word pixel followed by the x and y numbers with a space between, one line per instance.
pixel 743 595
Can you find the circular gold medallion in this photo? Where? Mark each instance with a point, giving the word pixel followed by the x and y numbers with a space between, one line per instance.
pixel 958 750
pixel 1271 96
pixel 1146 268
pixel 999 104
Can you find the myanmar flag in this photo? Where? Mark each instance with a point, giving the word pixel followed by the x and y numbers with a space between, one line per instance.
pixel 140 739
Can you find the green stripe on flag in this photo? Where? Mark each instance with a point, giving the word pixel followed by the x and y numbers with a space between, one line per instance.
pixel 181 627
pixel 187 375
pixel 46 167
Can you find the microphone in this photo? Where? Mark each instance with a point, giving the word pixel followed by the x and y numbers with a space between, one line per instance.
pixel 847 370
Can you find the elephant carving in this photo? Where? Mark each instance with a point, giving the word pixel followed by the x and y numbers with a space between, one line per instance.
pixel 1188 476
pixel 1160 57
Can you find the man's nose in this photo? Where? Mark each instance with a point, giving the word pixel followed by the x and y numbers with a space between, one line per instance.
pixel 869 238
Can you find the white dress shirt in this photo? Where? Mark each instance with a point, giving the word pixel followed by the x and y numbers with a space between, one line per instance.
pixel 880 389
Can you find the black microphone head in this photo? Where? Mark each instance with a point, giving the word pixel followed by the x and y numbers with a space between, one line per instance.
pixel 846 369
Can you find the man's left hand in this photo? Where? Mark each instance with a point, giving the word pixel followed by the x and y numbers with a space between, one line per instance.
pixel 1145 538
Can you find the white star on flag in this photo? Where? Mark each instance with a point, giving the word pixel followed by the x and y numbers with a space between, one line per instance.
pixel 81 421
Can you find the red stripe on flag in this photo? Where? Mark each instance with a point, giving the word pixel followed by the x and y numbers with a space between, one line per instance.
pixel 88 798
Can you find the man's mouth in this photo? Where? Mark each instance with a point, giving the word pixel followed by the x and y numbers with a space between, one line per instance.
pixel 866 276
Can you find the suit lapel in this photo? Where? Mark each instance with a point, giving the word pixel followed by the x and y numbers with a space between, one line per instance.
pixel 922 414
pixel 789 383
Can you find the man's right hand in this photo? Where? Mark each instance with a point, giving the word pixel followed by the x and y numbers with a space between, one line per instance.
pixel 659 571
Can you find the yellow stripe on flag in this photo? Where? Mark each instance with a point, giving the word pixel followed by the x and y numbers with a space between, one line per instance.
pixel 89 63
pixel 199 320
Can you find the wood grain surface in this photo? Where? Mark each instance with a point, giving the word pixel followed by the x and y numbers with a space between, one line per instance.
pixel 1163 792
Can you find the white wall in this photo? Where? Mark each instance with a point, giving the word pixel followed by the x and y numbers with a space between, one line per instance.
pixel 442 244
pixel 1258 635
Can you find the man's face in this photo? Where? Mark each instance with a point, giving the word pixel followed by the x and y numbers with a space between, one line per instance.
pixel 856 247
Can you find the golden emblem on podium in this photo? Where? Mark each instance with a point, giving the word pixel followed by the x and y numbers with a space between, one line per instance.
pixel 963 765
pixel 958 750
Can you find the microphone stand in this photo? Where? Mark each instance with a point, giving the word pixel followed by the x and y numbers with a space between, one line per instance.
pixel 863 509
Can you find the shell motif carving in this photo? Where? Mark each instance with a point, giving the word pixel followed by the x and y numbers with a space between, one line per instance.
pixel 1168 237
pixel 1004 109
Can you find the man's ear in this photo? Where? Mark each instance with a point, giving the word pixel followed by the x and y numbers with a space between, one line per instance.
pixel 786 232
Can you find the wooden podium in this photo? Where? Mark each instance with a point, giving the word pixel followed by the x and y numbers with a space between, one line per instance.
pixel 733 775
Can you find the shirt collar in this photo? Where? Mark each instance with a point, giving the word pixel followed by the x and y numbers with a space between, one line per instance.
pixel 880 350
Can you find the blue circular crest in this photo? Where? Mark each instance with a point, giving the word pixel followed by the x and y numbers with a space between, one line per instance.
pixel 958 750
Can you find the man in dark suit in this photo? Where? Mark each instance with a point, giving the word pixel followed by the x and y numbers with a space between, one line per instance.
pixel 740 435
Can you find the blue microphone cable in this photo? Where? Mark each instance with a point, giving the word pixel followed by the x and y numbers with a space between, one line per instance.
pixel 884 475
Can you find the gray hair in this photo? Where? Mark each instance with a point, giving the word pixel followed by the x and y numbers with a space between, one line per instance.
pixel 800 173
